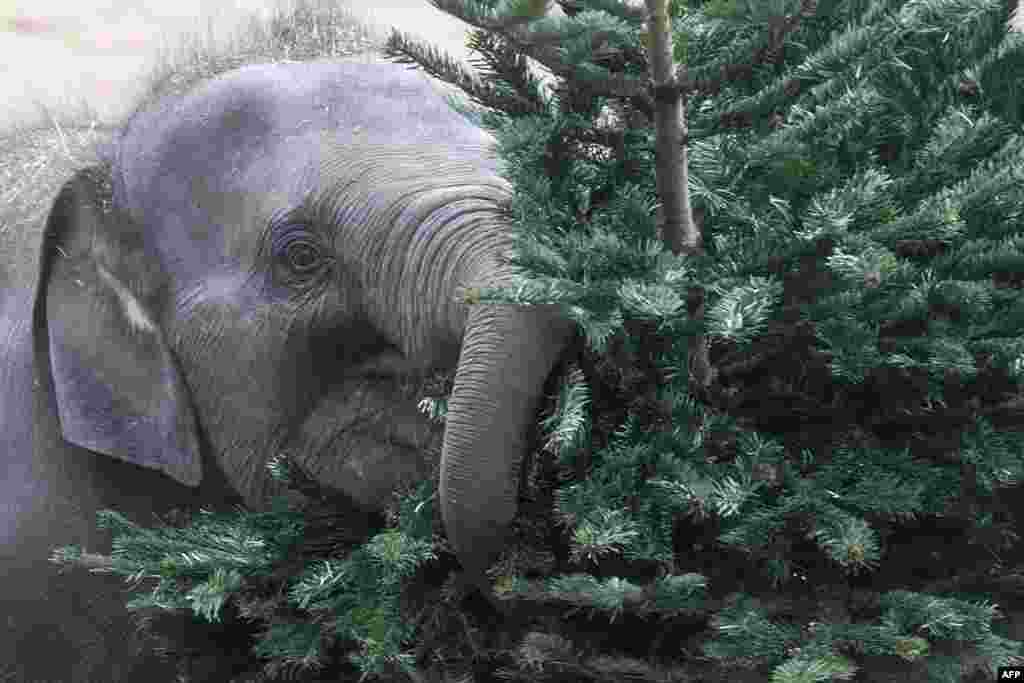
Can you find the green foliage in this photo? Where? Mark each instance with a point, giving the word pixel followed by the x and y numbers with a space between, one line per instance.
pixel 217 560
pixel 568 425
pixel 748 636
pixel 858 186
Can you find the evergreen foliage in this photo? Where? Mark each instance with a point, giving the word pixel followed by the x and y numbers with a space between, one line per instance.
pixel 297 568
pixel 789 448
pixel 858 169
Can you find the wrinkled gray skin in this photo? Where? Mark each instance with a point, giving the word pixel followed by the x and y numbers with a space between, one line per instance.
pixel 217 294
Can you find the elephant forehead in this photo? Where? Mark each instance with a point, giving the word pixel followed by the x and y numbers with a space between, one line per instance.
pixel 250 144
pixel 231 121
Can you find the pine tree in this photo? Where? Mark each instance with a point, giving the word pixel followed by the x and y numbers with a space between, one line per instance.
pixel 856 167
pixel 790 234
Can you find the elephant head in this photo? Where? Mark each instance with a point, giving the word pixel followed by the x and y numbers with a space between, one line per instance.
pixel 220 281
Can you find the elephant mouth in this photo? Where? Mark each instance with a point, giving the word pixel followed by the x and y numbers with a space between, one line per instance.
pixel 366 440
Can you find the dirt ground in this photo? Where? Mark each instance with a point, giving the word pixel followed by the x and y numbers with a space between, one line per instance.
pixel 55 54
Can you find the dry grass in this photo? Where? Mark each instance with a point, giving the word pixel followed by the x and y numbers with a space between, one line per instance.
pixel 302 31
pixel 34 163
pixel 36 158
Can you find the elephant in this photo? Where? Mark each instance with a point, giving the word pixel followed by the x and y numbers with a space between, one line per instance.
pixel 216 289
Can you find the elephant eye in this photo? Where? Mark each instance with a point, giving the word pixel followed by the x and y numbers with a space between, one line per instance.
pixel 302 256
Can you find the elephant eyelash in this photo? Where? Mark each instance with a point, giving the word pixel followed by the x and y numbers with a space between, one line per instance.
pixel 284 235
pixel 285 228
pixel 282 239
pixel 296 254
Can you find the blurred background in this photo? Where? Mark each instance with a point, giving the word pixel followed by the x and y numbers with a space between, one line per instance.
pixel 56 53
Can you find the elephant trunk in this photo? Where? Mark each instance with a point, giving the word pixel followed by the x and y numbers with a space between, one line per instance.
pixel 507 353
pixel 420 227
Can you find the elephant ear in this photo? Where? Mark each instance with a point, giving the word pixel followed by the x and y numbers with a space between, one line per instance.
pixel 118 387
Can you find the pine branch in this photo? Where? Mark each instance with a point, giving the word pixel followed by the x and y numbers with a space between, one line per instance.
pixel 778 29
